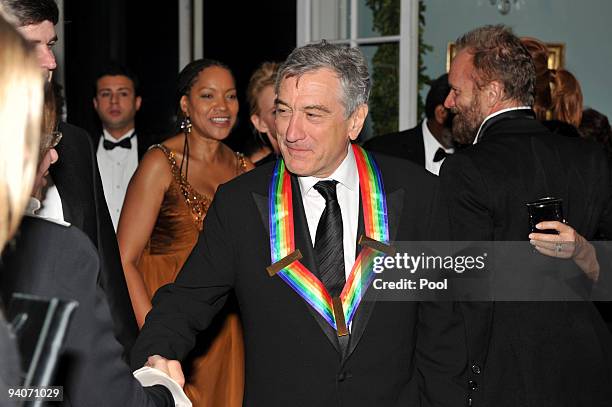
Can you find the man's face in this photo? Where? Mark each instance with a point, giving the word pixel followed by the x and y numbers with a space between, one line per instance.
pixel 313 134
pixel 43 38
pixel 464 99
pixel 116 102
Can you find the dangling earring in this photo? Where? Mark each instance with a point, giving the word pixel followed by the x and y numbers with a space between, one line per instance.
pixel 186 125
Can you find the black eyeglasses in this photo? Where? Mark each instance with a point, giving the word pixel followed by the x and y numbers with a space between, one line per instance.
pixel 54 138
pixel 49 141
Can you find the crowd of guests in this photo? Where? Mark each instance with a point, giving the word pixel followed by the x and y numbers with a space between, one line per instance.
pixel 158 237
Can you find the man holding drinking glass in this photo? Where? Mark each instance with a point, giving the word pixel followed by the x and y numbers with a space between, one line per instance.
pixel 524 353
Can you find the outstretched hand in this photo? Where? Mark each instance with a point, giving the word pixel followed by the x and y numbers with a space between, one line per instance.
pixel 170 367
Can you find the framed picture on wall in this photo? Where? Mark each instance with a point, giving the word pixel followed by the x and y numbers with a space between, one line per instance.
pixel 556 55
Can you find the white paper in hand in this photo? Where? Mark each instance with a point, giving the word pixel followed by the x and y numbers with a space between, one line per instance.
pixel 147 376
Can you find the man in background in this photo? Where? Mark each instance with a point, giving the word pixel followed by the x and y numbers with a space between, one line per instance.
pixel 430 141
pixel 524 353
pixel 119 148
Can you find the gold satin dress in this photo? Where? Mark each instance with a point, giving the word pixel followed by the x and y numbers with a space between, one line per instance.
pixel 216 377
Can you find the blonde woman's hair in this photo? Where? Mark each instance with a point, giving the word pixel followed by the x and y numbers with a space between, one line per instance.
pixel 264 76
pixel 21 101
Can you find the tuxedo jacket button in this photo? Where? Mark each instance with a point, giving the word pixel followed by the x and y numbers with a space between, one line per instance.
pixel 476 368
pixel 472 385
pixel 342 376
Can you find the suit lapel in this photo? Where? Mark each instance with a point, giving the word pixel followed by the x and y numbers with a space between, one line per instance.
pixel 411 145
pixel 419 147
pixel 64 174
pixel 395 202
pixel 304 243
pixel 143 145
pixel 261 202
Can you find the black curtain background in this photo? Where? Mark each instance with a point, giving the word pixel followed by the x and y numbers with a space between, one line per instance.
pixel 144 36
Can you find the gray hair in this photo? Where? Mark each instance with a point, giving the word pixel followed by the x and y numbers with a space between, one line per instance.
pixel 499 55
pixel 348 63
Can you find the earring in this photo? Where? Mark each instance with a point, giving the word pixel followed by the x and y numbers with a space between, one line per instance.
pixel 186 125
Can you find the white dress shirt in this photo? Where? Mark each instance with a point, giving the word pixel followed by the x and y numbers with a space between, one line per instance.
pixel 51 206
pixel 347 191
pixel 116 169
pixel 431 146
pixel 33 210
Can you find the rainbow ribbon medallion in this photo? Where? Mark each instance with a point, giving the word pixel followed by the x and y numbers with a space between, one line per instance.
pixel 285 259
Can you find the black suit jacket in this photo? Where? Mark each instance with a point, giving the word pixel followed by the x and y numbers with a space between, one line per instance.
pixel 50 260
pixel 143 145
pixel 292 356
pixel 80 188
pixel 530 354
pixel 10 367
pixel 407 144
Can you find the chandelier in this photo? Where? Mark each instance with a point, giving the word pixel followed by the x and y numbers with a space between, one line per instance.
pixel 504 6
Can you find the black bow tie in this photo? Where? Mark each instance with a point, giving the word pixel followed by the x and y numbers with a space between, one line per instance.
pixel 125 143
pixel 440 155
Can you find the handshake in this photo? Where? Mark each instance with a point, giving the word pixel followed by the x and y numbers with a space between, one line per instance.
pixel 161 371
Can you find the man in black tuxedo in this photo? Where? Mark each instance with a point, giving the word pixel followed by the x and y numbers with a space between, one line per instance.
pixel 396 352
pixel 524 354
pixel 75 192
pixel 119 147
pixel 430 141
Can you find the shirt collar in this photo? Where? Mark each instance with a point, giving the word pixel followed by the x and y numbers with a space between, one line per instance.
pixel 497 114
pixel 33 206
pixel 346 174
pixel 107 135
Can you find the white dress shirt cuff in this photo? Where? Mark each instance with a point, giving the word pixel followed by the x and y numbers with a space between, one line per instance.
pixel 148 376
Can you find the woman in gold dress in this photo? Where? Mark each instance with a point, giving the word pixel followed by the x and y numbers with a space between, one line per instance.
pixel 163 214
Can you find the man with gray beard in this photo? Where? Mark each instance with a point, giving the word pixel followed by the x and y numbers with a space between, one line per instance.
pixel 524 354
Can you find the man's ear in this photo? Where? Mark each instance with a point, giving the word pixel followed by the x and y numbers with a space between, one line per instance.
pixel 95 102
pixel 494 93
pixel 440 114
pixel 259 124
pixel 356 120
pixel 138 101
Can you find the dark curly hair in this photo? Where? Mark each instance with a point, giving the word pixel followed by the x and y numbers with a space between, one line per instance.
pixel 596 126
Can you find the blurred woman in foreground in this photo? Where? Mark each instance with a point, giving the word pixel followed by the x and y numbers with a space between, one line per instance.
pixel 21 98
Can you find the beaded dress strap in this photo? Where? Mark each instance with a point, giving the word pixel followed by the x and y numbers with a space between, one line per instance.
pixel 197 202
